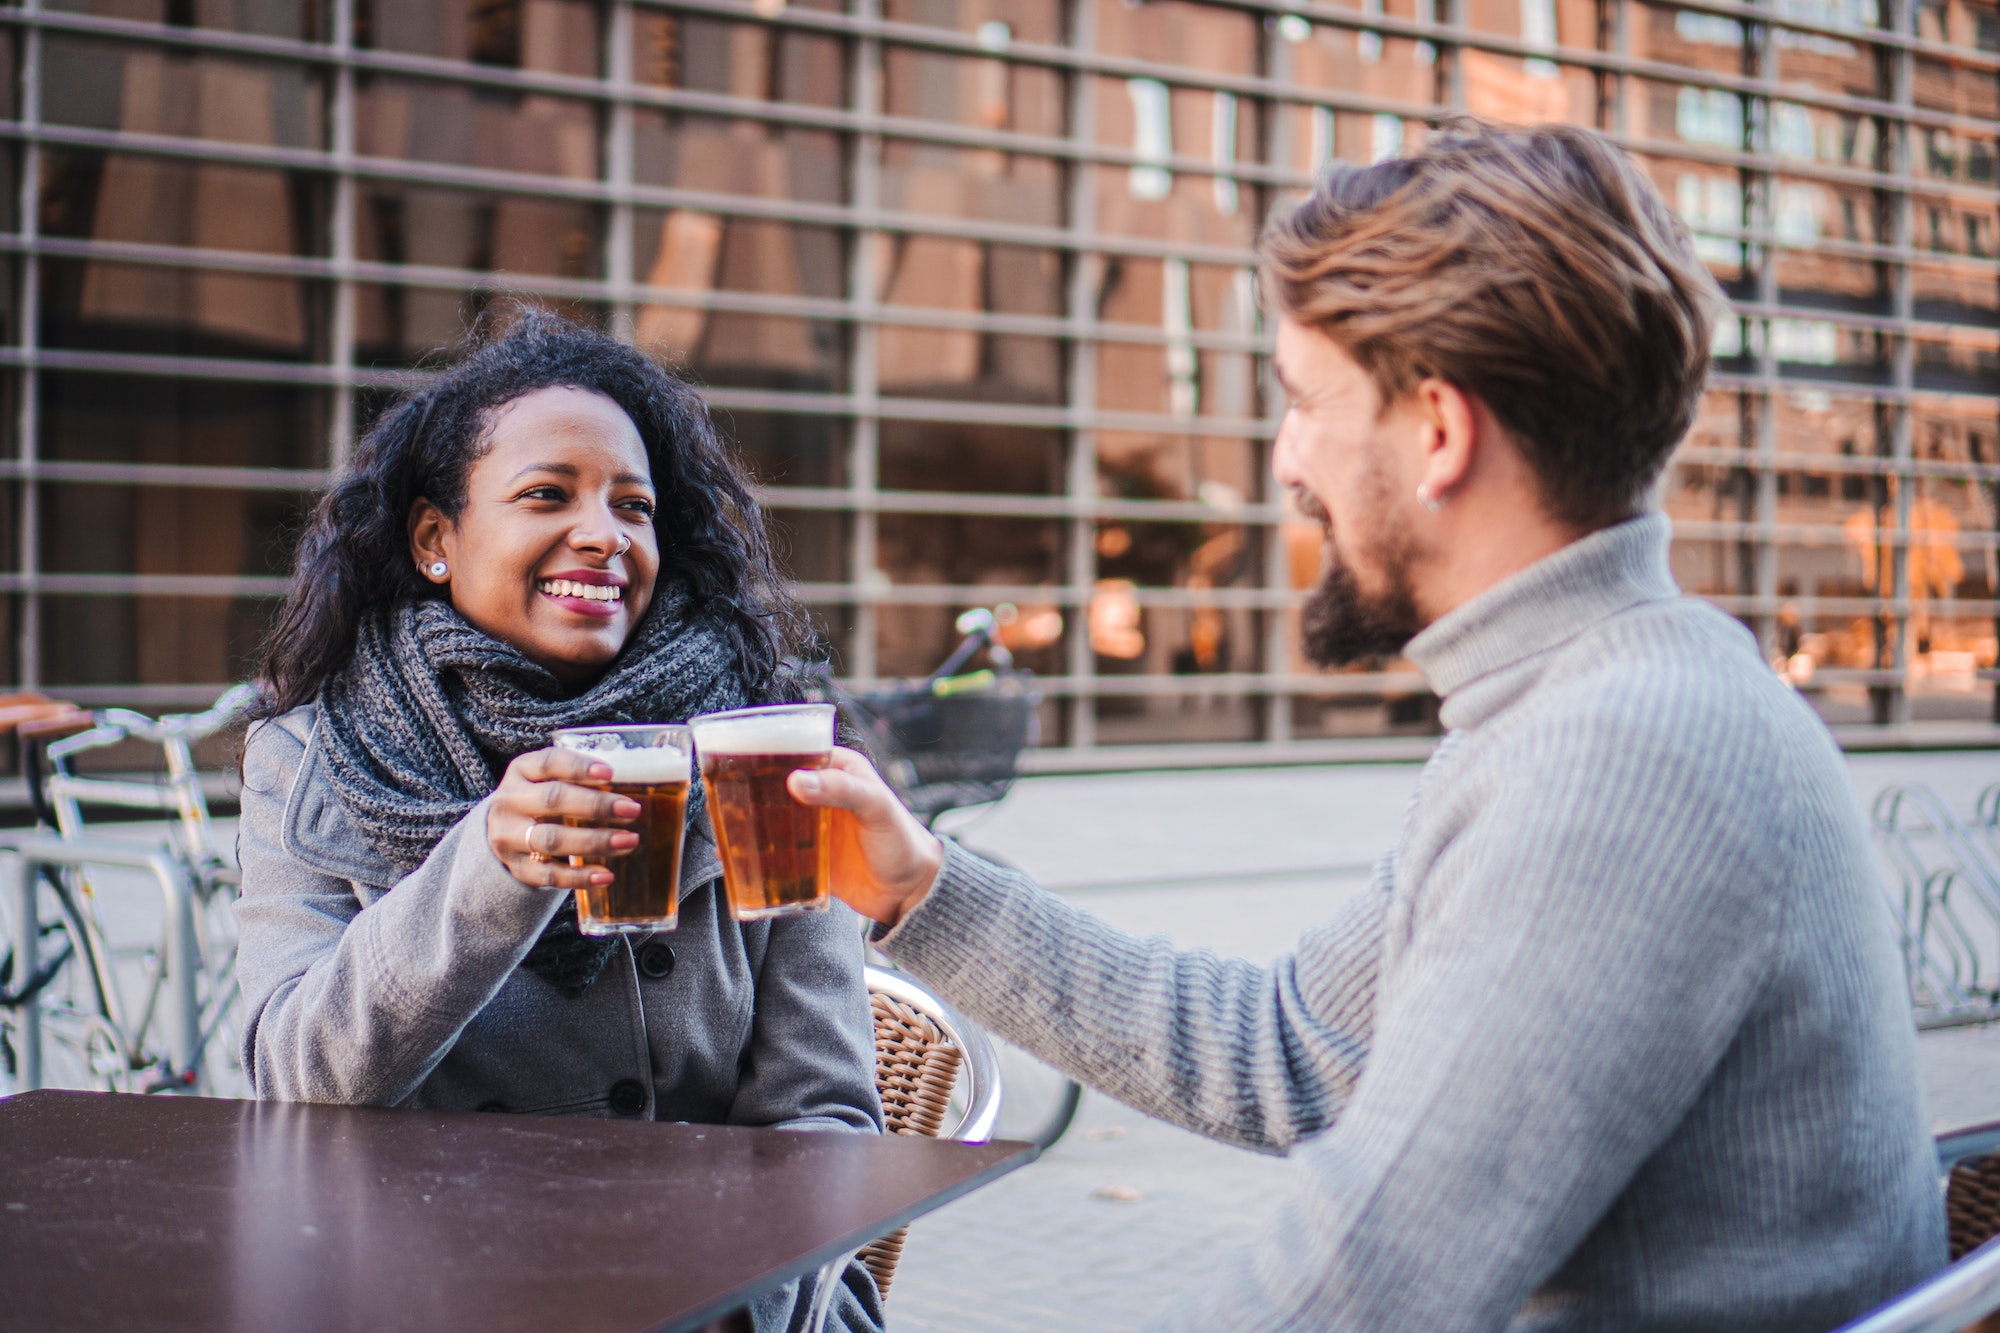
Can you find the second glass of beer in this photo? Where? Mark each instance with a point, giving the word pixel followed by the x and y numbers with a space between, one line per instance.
pixel 775 852
pixel 650 763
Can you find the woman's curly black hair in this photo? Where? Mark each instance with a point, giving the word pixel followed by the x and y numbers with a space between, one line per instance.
pixel 354 556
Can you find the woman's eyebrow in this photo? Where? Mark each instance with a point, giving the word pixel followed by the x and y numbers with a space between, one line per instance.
pixel 560 469
pixel 633 479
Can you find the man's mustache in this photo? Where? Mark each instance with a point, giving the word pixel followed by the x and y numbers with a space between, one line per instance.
pixel 1308 504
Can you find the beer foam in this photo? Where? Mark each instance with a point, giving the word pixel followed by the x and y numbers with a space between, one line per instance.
pixel 650 764
pixel 771 733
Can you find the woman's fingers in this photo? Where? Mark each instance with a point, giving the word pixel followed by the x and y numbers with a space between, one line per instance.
pixel 564 800
pixel 546 784
pixel 553 765
pixel 529 822
pixel 561 841
pixel 554 874
pixel 539 854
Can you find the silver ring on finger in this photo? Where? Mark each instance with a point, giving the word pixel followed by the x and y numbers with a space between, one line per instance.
pixel 528 841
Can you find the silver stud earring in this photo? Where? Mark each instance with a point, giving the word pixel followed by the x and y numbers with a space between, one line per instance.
pixel 1429 501
pixel 438 569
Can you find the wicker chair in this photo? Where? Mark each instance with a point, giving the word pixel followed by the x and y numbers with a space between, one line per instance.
pixel 1965 1297
pixel 922 1052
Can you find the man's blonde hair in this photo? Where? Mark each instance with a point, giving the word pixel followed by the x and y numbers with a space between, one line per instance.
pixel 1537 270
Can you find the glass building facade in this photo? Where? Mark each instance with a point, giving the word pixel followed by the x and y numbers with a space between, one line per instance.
pixel 971 282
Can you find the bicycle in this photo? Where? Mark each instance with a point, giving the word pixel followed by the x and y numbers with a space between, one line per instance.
pixel 950 742
pixel 72 1005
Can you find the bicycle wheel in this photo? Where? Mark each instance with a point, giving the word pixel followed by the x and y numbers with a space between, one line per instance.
pixel 219 1064
pixel 81 1046
pixel 81 1050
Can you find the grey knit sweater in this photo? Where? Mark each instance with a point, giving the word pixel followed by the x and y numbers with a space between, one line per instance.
pixel 1617 1038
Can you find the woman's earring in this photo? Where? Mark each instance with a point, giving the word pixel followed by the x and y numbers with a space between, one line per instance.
pixel 438 569
pixel 1427 500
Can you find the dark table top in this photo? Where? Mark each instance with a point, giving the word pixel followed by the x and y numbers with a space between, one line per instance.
pixel 169 1212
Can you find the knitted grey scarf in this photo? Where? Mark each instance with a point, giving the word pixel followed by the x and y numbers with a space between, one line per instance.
pixel 423 721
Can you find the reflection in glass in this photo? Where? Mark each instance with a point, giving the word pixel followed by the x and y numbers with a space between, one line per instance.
pixel 437 122
pixel 126 640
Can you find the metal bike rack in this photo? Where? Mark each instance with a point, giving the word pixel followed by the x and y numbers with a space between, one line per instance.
pixel 35 851
pixel 1947 904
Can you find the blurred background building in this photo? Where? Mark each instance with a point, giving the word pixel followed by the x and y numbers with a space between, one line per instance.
pixel 971 284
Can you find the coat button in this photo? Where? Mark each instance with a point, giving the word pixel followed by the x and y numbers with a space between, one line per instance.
pixel 628 1096
pixel 656 960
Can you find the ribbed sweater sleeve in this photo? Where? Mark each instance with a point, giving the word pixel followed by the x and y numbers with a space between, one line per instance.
pixel 1260 1057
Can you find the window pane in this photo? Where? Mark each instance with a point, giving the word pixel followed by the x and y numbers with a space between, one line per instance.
pixel 476 127
pixel 300 20
pixel 151 640
pixel 105 305
pixel 144 90
pixel 109 529
pixel 163 201
pixel 556 36
pixel 155 419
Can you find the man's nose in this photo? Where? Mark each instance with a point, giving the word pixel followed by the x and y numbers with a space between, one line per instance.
pixel 1284 459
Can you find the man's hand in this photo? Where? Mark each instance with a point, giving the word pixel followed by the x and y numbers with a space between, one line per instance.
pixel 524 824
pixel 883 859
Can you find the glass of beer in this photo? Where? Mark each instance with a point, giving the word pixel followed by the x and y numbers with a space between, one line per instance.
pixel 650 763
pixel 775 852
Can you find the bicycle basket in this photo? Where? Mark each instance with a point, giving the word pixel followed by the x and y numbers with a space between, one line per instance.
pixel 944 751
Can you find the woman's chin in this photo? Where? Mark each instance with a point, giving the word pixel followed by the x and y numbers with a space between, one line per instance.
pixel 579 655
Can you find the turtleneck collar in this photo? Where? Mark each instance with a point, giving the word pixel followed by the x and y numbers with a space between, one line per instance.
pixel 1480 655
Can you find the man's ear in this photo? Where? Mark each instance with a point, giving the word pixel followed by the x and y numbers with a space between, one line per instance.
pixel 430 540
pixel 1450 422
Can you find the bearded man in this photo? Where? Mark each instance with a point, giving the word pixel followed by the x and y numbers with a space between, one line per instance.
pixel 1617 1037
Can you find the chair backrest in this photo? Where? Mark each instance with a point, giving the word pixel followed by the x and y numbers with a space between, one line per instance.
pixel 1972 1203
pixel 923 1052
pixel 917 1039
pixel 1965 1297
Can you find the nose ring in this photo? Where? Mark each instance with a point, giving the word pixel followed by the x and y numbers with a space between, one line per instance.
pixel 624 545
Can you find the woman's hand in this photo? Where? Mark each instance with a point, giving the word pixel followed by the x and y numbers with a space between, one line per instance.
pixel 883 859
pixel 524 824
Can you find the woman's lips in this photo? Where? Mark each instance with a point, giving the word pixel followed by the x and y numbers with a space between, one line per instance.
pixel 599 601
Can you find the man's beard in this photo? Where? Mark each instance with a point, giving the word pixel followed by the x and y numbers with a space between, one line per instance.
pixel 1340 624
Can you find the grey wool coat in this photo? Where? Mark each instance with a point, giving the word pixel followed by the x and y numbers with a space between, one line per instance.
pixel 363 989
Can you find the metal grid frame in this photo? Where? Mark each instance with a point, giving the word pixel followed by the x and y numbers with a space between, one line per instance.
pixel 862 405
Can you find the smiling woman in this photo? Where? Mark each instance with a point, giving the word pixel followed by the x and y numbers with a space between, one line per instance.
pixel 547 535
pixel 556 532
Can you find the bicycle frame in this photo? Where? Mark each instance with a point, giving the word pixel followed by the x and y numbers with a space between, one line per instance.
pixel 181 795
pixel 182 949
pixel 187 869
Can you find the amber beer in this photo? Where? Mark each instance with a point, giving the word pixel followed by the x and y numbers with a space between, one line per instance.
pixel 651 765
pixel 774 851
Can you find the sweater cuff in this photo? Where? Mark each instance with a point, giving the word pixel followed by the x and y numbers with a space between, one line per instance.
pixel 485 893
pixel 939 937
